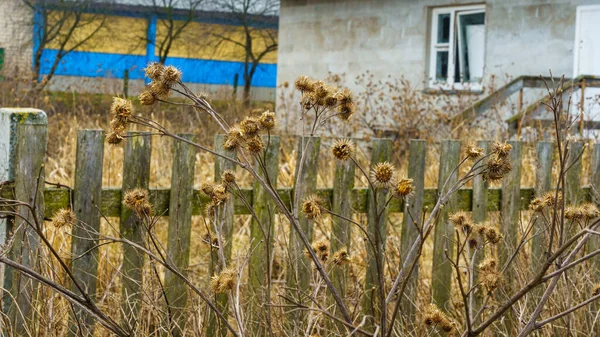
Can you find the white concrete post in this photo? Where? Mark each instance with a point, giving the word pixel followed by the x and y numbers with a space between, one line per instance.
pixel 23 143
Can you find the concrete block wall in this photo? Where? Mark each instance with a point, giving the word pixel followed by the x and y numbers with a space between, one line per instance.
pixel 16 36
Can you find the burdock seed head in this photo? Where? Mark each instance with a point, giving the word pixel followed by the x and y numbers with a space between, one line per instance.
pixel 496 167
pixel 501 149
pixel 312 206
pixel 154 70
pixel 342 149
pixel 404 188
pixel 474 151
pixel 255 144
pixel 114 138
pixel 341 257
pixel 267 120
pixel 223 282
pixel 233 139
pixel 250 127
pixel 382 175
pixel 228 177
pixel 147 98
pixel 120 113
pixel 137 201
pixel 171 75
pixel 64 217
pixel 304 84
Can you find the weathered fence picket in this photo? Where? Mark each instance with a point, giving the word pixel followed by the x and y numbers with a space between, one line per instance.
pixel 260 267
pixel 510 214
pixel 87 195
pixel 136 174
pixel 412 218
pixel 376 231
pixel 543 184
pixel 479 215
pixel 443 236
pixel 179 232
pixel 298 273
pixel 573 193
pixel 341 228
pixel 182 201
pixel 224 221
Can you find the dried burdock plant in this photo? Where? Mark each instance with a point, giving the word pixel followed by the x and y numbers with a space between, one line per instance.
pixel 485 293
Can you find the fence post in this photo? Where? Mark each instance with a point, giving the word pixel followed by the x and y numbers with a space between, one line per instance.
pixel 413 212
pixel 87 199
pixel 479 215
pixel 261 238
pixel 23 142
pixel 215 326
pixel 443 235
pixel 179 232
pixel 573 195
pixel 136 174
pixel 543 184
pixel 299 271
pixel 511 208
pixel 376 228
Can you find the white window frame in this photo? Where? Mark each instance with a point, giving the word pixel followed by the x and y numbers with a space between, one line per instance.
pixel 434 47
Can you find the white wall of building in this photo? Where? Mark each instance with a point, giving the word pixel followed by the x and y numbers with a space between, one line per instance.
pixel 391 38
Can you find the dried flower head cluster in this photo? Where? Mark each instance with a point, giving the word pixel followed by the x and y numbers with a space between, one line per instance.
pixel 489 275
pixel 163 78
pixel 224 281
pixel 403 188
pixel 498 165
pixel 137 201
pixel 547 200
pixel 477 235
pixel 313 206
pixel 582 213
pixel 321 248
pixel 434 317
pixel 341 257
pixel 342 149
pixel 64 217
pixel 461 220
pixel 218 193
pixel 247 133
pixel 382 175
pixel 121 112
pixel 320 96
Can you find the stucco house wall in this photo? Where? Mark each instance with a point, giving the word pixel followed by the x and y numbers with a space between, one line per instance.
pixel 391 37
pixel 15 36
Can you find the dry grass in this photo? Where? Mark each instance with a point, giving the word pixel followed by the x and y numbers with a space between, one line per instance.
pixel 69 113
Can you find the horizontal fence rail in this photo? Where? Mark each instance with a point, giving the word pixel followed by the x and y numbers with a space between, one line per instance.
pixel 58 198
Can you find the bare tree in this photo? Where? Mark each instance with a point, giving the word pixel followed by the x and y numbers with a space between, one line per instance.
pixel 63 25
pixel 175 17
pixel 257 19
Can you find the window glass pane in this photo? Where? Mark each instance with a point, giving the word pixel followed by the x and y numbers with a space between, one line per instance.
pixel 443 33
pixel 441 66
pixel 470 47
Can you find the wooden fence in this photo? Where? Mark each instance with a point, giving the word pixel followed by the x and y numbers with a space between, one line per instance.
pixel 182 201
